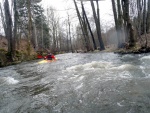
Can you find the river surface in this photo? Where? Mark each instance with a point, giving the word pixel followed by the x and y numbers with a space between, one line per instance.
pixel 78 83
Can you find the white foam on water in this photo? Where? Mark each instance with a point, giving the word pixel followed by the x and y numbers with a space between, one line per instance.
pixel 128 56
pixel 141 67
pixel 8 80
pixel 123 67
pixel 145 57
pixel 75 68
pixel 143 70
pixel 74 77
pixel 126 66
pixel 79 86
pixel 80 78
pixel 11 80
pixel 148 76
pixel 40 96
pixel 125 74
pixel 119 104
pixel 61 78
pixel 90 66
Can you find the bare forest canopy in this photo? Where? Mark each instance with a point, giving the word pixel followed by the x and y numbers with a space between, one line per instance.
pixel 43 30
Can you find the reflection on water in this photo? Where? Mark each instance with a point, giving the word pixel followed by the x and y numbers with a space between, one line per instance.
pixel 78 83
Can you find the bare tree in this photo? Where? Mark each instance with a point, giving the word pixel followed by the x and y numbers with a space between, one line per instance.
pixel 8 21
pixel 89 27
pixel 144 23
pixel 83 27
pixel 130 28
pixel 29 26
pixel 15 25
pixel 148 17
pixel 118 17
pixel 97 23
pixel 3 19
pixel 139 19
pixel 69 28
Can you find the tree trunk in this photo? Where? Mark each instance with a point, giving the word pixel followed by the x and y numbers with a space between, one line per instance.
pixel 87 41
pixel 97 23
pixel 139 20
pixel 144 23
pixel 115 13
pixel 3 19
pixel 15 25
pixel 81 24
pixel 42 36
pixel 8 34
pixel 116 21
pixel 67 38
pixel 125 21
pixel 29 27
pixel 148 17
pixel 70 33
pixel 120 25
pixel 54 39
pixel 94 43
pixel 130 29
pixel 35 35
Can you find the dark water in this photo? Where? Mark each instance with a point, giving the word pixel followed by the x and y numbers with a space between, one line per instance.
pixel 78 83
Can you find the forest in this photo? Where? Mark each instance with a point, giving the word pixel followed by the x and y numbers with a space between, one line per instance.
pixel 29 29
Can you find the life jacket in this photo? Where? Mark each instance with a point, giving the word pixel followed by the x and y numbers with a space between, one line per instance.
pixel 49 57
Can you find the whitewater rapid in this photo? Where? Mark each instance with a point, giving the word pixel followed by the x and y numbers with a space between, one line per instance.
pixel 78 83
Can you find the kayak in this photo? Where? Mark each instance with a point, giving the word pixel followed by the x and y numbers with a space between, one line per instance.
pixel 46 61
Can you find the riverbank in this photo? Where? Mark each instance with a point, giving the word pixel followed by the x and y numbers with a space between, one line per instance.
pixel 19 57
pixel 20 54
pixel 133 50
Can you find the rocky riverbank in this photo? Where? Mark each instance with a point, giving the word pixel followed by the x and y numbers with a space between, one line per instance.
pixel 19 57
pixel 20 54
pixel 133 50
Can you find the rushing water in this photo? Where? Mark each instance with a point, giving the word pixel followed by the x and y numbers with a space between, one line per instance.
pixel 78 83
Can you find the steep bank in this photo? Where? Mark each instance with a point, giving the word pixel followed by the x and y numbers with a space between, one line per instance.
pixel 21 53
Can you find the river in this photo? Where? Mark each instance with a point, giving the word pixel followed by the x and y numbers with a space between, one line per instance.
pixel 78 83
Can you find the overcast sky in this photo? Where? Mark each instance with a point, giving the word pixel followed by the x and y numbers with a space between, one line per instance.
pixel 64 6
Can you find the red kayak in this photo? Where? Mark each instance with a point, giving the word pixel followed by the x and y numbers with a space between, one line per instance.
pixel 39 56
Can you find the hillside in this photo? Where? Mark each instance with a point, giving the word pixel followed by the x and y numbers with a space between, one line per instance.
pixel 21 53
pixel 22 45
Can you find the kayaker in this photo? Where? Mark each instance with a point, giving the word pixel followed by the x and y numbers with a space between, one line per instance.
pixel 50 57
